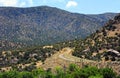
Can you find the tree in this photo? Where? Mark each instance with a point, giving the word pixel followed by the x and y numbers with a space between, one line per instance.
pixel 60 73
pixel 108 73
pixel 73 67
pixel 96 76
pixel 26 75
pixel 10 74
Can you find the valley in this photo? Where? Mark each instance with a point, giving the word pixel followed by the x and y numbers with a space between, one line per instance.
pixel 45 25
pixel 44 38
pixel 63 59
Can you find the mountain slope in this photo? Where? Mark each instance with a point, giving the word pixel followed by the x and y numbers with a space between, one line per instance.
pixel 102 45
pixel 98 46
pixel 44 25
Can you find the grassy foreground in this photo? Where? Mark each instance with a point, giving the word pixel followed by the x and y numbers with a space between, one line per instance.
pixel 73 71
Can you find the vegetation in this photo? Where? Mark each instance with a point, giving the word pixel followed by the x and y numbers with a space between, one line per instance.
pixel 94 47
pixel 25 56
pixel 45 25
pixel 73 71
pixel 98 45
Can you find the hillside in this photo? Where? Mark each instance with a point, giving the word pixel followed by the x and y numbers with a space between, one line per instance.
pixel 101 49
pixel 45 25
pixel 103 45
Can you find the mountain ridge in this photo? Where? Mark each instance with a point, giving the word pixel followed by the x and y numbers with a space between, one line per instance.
pixel 98 46
pixel 102 45
pixel 46 25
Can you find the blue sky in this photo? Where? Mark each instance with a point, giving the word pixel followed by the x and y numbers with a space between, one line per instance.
pixel 78 6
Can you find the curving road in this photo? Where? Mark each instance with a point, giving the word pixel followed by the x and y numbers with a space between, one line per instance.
pixel 66 54
pixel 63 57
pixel 60 59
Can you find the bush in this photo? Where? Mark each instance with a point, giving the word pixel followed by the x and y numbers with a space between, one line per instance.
pixel 10 74
pixel 26 75
pixel 72 72
pixel 108 73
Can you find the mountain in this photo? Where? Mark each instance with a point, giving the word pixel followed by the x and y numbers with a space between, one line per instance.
pixel 103 45
pixel 46 25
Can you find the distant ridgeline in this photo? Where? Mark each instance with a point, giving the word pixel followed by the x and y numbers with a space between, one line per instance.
pixel 45 25
pixel 102 45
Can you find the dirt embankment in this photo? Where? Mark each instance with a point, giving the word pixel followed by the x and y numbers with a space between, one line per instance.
pixel 64 57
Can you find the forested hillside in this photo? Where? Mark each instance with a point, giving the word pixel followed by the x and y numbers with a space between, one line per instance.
pixel 46 25
pixel 102 45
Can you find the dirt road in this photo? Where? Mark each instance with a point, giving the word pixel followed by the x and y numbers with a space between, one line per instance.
pixel 63 58
pixel 66 54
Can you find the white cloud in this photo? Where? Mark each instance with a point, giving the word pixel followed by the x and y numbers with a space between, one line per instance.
pixel 9 2
pixel 16 3
pixel 30 2
pixel 22 4
pixel 71 4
